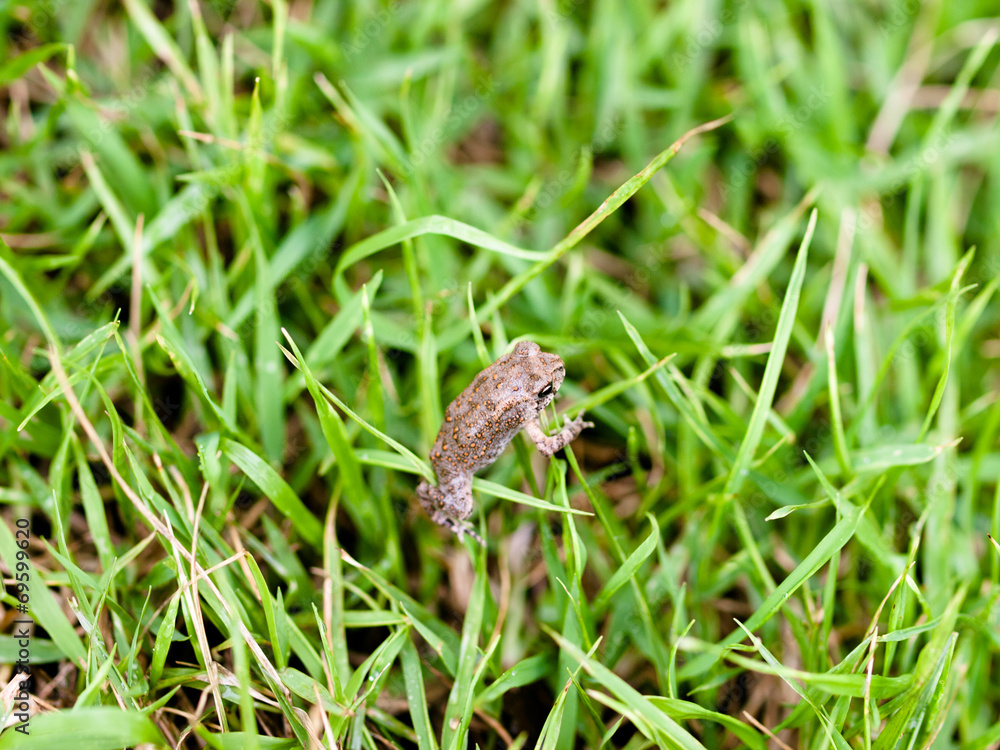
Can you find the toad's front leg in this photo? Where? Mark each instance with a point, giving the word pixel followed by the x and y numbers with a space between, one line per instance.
pixel 550 444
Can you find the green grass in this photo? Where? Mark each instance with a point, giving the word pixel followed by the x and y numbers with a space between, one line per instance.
pixel 252 250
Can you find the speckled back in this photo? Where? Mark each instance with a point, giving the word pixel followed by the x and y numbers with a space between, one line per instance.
pixel 499 401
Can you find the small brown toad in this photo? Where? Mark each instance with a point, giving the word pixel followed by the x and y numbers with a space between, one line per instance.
pixel 505 397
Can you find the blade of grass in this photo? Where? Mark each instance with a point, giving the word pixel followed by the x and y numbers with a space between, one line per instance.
pixel 458 712
pixel 163 45
pixel 755 428
pixel 268 370
pixel 91 729
pixel 837 537
pixel 839 440
pixel 44 607
pixel 629 568
pixel 430 387
pixel 640 704
pixel 831 731
pixel 416 697
pixel 629 188
pixel 420 466
pixel 15 280
pixel 685 710
pixel 436 225
pixel 949 333
pixel 276 489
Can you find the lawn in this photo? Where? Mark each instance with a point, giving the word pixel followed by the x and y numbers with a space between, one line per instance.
pixel 252 250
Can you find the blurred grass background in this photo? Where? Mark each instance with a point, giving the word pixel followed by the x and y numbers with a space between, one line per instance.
pixel 225 549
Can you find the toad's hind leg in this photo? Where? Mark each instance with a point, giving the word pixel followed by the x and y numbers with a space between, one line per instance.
pixel 449 508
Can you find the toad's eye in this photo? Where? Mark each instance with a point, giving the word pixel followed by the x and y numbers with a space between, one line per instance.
pixel 546 391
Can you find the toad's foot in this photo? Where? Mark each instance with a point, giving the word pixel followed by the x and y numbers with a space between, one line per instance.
pixel 444 511
pixel 550 444
pixel 461 528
